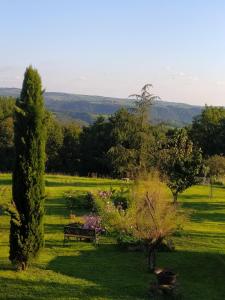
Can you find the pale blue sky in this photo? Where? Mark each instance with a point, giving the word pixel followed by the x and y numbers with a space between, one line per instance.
pixel 113 47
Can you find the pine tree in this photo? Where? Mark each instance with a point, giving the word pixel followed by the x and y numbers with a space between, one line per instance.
pixel 143 104
pixel 26 232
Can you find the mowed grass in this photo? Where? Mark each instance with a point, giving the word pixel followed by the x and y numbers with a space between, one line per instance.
pixel 82 271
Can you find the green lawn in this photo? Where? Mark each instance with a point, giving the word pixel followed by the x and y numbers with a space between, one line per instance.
pixel 81 271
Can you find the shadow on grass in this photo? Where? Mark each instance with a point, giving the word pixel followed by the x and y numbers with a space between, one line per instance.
pixel 41 289
pixel 87 184
pixel 5 181
pixel 56 206
pixel 206 235
pixel 204 217
pixel 6 265
pixel 54 228
pixel 203 206
pixel 206 211
pixel 192 196
pixel 124 274
pixel 201 275
pixel 104 273
pixel 108 273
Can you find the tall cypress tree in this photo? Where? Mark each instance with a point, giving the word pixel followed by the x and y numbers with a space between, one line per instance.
pixel 26 232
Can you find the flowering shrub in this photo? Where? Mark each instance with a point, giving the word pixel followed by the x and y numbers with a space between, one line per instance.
pixel 92 222
pixel 105 194
pixel 112 218
pixel 118 197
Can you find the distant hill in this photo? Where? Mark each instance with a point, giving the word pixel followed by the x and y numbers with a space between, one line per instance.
pixel 86 108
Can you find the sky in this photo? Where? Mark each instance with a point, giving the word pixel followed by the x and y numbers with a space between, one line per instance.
pixel 114 47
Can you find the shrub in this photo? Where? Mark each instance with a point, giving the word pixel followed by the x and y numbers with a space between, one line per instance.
pixel 128 241
pixel 92 222
pixel 120 198
pixel 79 200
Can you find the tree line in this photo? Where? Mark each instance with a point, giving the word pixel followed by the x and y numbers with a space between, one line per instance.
pixel 123 145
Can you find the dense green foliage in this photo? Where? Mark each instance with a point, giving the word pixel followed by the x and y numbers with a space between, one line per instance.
pixel 94 144
pixel 26 232
pixel 54 143
pixel 7 105
pixel 6 133
pixel 180 161
pixel 215 166
pixel 123 152
pixel 69 155
pixel 208 130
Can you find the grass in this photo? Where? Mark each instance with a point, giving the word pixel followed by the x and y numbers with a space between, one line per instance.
pixel 81 271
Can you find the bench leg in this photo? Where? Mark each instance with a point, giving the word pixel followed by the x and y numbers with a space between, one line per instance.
pixel 64 240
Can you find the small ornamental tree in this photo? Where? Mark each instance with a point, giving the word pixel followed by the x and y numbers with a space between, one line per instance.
pixel 155 217
pixel 150 217
pixel 207 130
pixel 143 104
pixel 215 166
pixel 26 231
pixel 180 162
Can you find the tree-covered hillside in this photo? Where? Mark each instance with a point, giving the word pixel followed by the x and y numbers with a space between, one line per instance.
pixel 86 108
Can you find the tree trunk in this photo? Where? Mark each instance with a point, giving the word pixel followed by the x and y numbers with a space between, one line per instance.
pixel 211 189
pixel 24 266
pixel 152 259
pixel 175 198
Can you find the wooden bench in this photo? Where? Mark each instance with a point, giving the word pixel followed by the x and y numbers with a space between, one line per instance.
pixel 74 231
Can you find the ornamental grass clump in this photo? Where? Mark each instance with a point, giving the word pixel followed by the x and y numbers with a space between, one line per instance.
pixel 154 215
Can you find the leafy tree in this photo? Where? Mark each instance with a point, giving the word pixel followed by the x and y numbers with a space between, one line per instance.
pixel 208 131
pixel 6 144
pixel 69 153
pixel 95 142
pixel 54 144
pixel 215 167
pixel 7 105
pixel 180 161
pixel 131 151
pixel 26 231
pixel 123 153
pixel 143 102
